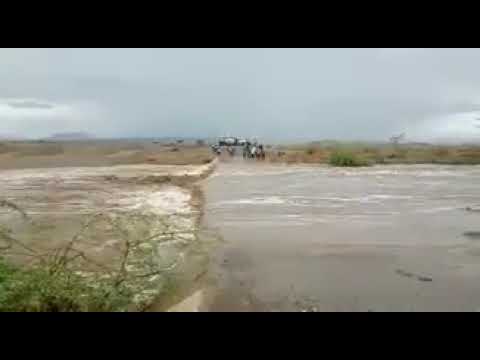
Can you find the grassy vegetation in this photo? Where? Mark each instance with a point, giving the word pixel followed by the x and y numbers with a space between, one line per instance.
pixel 39 289
pixel 354 154
pixel 343 158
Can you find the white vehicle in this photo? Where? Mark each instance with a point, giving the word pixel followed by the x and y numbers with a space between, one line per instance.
pixel 227 141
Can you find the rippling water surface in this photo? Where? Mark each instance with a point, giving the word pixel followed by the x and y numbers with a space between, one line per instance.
pixel 316 237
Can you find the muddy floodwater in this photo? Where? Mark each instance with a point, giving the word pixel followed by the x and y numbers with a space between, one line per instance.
pixel 316 238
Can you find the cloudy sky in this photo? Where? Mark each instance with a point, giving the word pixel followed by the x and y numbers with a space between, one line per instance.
pixel 277 94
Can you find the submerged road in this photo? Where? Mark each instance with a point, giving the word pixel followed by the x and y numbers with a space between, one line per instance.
pixel 316 238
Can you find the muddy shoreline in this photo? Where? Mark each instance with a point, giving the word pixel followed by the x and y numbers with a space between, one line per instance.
pixel 190 295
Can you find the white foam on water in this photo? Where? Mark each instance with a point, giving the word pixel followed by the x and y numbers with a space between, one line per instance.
pixel 265 223
pixel 408 170
pixel 313 201
pixel 70 173
pixel 453 196
pixel 169 200
pixel 268 171
pixel 437 209
pixel 269 200
pixel 373 198
pixel 389 197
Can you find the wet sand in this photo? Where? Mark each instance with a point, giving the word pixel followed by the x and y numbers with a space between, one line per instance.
pixel 315 238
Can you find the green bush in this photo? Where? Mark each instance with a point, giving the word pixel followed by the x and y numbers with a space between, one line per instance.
pixel 344 158
pixel 40 290
pixel 66 279
pixel 5 271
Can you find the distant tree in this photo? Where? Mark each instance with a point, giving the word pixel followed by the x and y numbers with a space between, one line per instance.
pixel 200 142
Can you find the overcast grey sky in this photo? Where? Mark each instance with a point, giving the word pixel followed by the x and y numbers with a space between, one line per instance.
pixel 278 94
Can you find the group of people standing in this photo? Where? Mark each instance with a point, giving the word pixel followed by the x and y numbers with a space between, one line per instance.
pixel 250 150
pixel 253 151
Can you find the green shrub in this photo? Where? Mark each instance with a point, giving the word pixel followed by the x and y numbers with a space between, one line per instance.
pixel 5 271
pixel 39 290
pixel 66 279
pixel 344 158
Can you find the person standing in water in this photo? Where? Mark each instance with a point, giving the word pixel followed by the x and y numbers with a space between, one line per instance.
pixel 261 152
pixel 253 151
pixel 246 150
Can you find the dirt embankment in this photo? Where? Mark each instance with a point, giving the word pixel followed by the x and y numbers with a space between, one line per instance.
pixel 98 153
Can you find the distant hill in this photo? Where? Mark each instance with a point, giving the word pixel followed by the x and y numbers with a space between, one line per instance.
pixel 417 144
pixel 5 137
pixel 71 136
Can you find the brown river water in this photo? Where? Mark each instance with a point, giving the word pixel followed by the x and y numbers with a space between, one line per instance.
pixel 316 238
